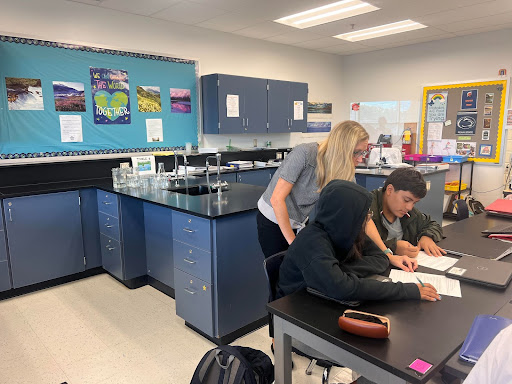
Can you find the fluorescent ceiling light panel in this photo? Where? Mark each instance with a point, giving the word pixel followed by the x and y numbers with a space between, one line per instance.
pixel 382 30
pixel 327 13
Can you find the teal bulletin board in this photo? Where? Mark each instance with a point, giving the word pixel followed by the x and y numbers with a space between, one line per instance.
pixel 45 84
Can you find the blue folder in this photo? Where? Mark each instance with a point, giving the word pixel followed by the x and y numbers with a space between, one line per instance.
pixel 483 330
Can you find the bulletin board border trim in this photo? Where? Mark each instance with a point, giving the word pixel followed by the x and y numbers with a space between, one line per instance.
pixel 86 48
pixel 504 93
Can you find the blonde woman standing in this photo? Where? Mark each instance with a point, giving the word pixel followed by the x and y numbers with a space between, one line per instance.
pixel 295 188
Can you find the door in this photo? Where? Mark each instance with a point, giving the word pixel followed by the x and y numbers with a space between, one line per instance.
pixel 258 177
pixel 278 109
pixel 298 92
pixel 232 86
pixel 44 235
pixel 255 105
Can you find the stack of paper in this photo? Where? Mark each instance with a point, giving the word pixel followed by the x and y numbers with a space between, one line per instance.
pixel 441 263
pixel 442 284
pixel 240 164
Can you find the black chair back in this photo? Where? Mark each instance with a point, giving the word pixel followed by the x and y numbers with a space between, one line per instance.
pixel 272 265
pixel 462 209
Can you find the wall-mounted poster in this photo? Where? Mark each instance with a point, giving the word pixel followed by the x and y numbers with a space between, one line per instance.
pixel 444 147
pixel 489 98
pixel 435 131
pixel 486 133
pixel 69 97
pixel 466 123
pixel 488 110
pixel 469 99
pixel 24 94
pixel 509 117
pixel 485 150
pixel 110 96
pixel 319 107
pixel 180 100
pixel 487 123
pixel 318 126
pixel 436 107
pixel 148 99
pixel 466 148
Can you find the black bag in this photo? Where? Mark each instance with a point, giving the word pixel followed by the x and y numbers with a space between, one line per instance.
pixel 237 365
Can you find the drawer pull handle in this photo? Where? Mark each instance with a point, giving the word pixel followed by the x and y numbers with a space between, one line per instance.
pixel 189 291
pixel 186 260
pixel 108 226
pixel 188 230
pixel 110 248
pixel 106 203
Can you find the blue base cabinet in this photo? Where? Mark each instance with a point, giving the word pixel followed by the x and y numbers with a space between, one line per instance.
pixel 5 276
pixel 90 227
pixel 220 285
pixel 259 177
pixel 159 250
pixel 122 235
pixel 44 235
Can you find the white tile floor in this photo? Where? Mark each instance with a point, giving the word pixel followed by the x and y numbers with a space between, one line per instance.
pixel 97 331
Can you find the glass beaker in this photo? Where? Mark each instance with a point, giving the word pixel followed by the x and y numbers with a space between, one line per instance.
pixel 161 168
pixel 118 178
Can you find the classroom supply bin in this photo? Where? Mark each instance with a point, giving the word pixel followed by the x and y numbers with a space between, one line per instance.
pixel 453 186
pixel 434 159
pixel 415 157
pixel 455 159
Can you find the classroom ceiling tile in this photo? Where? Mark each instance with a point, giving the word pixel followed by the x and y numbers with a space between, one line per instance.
pixel 232 21
pixel 138 7
pixel 188 13
pixel 92 2
pixel 417 34
pixel 398 43
pixel 294 37
pixel 264 30
pixel 477 23
pixel 487 28
pixel 318 43
pixel 345 47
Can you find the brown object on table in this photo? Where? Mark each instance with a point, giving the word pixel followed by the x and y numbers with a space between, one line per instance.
pixel 365 324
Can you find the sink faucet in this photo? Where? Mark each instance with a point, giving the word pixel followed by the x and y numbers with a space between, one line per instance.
pixel 219 184
pixel 185 164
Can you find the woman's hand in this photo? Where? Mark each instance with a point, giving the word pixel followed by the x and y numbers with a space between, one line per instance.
pixel 428 292
pixel 430 247
pixel 404 248
pixel 403 262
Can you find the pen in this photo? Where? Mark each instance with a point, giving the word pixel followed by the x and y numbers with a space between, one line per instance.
pixel 421 282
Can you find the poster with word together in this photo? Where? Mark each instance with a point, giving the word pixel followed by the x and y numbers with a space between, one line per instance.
pixel 110 96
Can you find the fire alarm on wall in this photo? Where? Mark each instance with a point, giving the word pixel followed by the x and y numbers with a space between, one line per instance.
pixel 502 72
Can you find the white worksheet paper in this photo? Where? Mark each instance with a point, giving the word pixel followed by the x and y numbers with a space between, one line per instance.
pixel 154 130
pixel 435 131
pixel 441 263
pixel 71 128
pixel 443 285
pixel 232 106
pixel 298 110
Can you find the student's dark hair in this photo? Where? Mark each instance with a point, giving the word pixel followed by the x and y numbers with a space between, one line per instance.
pixel 407 179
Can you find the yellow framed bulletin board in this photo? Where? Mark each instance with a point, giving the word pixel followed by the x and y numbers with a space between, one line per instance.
pixel 464 119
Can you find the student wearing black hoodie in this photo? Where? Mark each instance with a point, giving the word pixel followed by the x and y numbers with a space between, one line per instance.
pixel 333 254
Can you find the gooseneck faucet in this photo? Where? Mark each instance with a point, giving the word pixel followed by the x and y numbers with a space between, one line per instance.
pixel 185 164
pixel 380 161
pixel 219 184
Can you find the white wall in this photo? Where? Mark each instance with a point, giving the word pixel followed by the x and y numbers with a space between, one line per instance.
pixel 400 74
pixel 217 52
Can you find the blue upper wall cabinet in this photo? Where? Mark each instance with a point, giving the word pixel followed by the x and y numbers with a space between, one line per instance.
pixel 282 96
pixel 248 111
pixel 257 105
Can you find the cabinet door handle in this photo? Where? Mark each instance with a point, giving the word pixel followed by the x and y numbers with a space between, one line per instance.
pixel 110 248
pixel 187 260
pixel 108 226
pixel 10 214
pixel 291 122
pixel 243 122
pixel 188 230
pixel 247 121
pixel 189 291
pixel 106 202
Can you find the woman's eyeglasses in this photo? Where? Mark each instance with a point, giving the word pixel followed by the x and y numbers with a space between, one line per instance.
pixel 360 153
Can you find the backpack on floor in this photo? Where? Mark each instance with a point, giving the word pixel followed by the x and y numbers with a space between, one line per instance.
pixel 234 365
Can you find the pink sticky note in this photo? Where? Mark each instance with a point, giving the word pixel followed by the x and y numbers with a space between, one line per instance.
pixel 420 366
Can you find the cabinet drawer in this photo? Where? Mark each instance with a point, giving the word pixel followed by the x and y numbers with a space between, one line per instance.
pixel 194 301
pixel 111 256
pixel 193 260
pixel 107 203
pixel 5 280
pixel 109 226
pixel 3 250
pixel 191 230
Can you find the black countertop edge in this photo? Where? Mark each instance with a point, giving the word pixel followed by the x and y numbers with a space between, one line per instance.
pixel 238 198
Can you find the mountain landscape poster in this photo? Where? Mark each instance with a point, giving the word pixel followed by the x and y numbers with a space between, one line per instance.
pixel 69 97
pixel 180 100
pixel 148 99
pixel 24 94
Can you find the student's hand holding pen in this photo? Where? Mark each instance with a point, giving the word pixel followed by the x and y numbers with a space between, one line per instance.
pixel 427 291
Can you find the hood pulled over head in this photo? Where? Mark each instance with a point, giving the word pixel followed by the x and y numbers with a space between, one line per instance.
pixel 341 211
